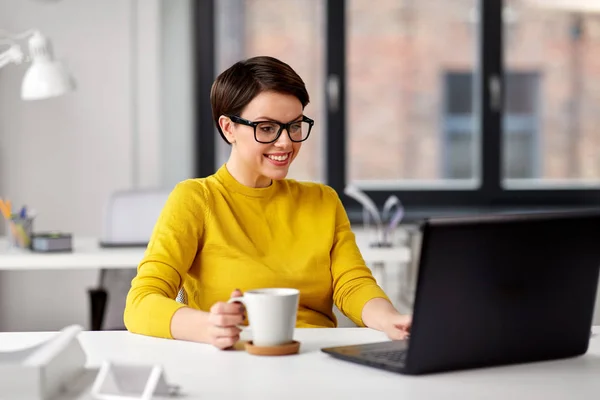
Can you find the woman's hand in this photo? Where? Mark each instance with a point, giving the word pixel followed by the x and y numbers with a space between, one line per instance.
pixel 380 314
pixel 222 323
pixel 218 327
pixel 397 327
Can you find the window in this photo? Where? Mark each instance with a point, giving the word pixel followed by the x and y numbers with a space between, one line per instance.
pixel 459 126
pixel 520 124
pixel 396 50
pixel 520 147
pixel 451 105
pixel 560 44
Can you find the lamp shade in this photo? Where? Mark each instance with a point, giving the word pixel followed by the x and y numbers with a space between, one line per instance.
pixel 45 77
pixel 44 80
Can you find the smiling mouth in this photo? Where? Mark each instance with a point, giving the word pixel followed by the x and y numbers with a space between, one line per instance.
pixel 279 158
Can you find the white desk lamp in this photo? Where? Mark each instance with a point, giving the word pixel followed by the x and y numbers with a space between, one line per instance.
pixel 46 77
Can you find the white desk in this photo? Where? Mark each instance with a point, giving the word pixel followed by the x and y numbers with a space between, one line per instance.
pixel 87 254
pixel 204 372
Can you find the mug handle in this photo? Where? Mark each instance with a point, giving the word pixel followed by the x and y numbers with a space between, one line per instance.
pixel 239 300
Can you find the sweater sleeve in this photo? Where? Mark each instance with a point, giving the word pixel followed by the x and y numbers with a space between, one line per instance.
pixel 353 282
pixel 150 303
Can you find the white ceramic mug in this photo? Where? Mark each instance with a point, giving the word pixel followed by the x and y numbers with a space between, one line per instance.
pixel 271 314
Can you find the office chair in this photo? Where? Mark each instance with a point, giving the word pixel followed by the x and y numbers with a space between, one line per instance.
pixel 181 296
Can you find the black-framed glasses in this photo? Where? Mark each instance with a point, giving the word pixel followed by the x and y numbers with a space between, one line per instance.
pixel 269 131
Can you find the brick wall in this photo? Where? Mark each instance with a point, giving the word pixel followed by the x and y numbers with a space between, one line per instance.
pixel 398 53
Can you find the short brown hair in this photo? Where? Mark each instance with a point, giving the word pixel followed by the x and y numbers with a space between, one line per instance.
pixel 235 87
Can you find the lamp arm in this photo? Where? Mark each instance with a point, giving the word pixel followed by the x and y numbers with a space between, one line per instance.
pixel 13 54
pixel 17 36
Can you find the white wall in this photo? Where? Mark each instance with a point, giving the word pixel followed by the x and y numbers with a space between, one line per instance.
pixel 65 156
pixel 177 100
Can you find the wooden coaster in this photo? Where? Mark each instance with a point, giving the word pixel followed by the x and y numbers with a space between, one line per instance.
pixel 282 350
pixel 240 345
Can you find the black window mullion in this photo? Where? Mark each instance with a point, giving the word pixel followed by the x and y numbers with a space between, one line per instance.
pixel 335 94
pixel 490 86
pixel 204 60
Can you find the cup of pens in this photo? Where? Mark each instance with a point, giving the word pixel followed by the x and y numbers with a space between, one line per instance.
pixel 19 231
pixel 19 226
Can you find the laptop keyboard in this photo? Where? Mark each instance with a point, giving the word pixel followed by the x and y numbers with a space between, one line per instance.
pixel 395 357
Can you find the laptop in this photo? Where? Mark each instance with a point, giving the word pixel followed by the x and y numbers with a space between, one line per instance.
pixel 495 290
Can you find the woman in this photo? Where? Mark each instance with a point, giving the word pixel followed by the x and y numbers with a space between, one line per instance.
pixel 246 226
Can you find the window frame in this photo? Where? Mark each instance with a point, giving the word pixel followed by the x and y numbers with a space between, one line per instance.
pixel 204 26
pixel 490 196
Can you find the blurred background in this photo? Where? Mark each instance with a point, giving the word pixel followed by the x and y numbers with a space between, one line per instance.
pixel 453 106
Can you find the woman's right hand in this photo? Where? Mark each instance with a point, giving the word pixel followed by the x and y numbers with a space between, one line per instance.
pixel 222 323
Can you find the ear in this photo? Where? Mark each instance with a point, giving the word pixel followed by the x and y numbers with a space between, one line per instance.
pixel 226 126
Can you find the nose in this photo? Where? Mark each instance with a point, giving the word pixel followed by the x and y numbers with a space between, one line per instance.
pixel 283 140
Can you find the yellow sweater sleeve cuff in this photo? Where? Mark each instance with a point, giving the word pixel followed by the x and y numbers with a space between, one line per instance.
pixel 154 317
pixel 353 306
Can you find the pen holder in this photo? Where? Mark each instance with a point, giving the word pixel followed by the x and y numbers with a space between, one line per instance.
pixel 19 231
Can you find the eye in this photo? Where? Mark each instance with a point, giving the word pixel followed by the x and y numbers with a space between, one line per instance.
pixel 296 127
pixel 268 128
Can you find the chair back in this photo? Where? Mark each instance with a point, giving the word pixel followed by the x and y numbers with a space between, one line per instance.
pixel 130 216
pixel 181 296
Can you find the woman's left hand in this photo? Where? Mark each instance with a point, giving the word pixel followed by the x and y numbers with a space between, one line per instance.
pixel 397 327
pixel 380 314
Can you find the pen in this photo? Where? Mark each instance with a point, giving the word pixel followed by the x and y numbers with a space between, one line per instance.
pixel 5 208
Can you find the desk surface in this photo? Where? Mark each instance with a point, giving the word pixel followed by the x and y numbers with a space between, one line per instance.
pixel 88 254
pixel 204 372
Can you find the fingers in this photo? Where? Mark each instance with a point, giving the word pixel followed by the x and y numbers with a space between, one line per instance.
pixel 397 334
pixel 225 342
pixel 225 320
pixel 227 308
pixel 225 332
pixel 224 337
pixel 236 293
pixel 400 327
pixel 403 322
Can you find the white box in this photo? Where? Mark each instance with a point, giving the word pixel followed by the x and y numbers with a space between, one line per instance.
pixel 42 371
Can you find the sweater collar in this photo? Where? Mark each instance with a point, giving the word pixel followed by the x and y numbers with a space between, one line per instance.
pixel 230 183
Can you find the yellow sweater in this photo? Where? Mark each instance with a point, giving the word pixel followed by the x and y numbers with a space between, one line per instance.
pixel 215 235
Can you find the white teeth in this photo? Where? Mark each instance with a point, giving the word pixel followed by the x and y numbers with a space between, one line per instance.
pixel 278 158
